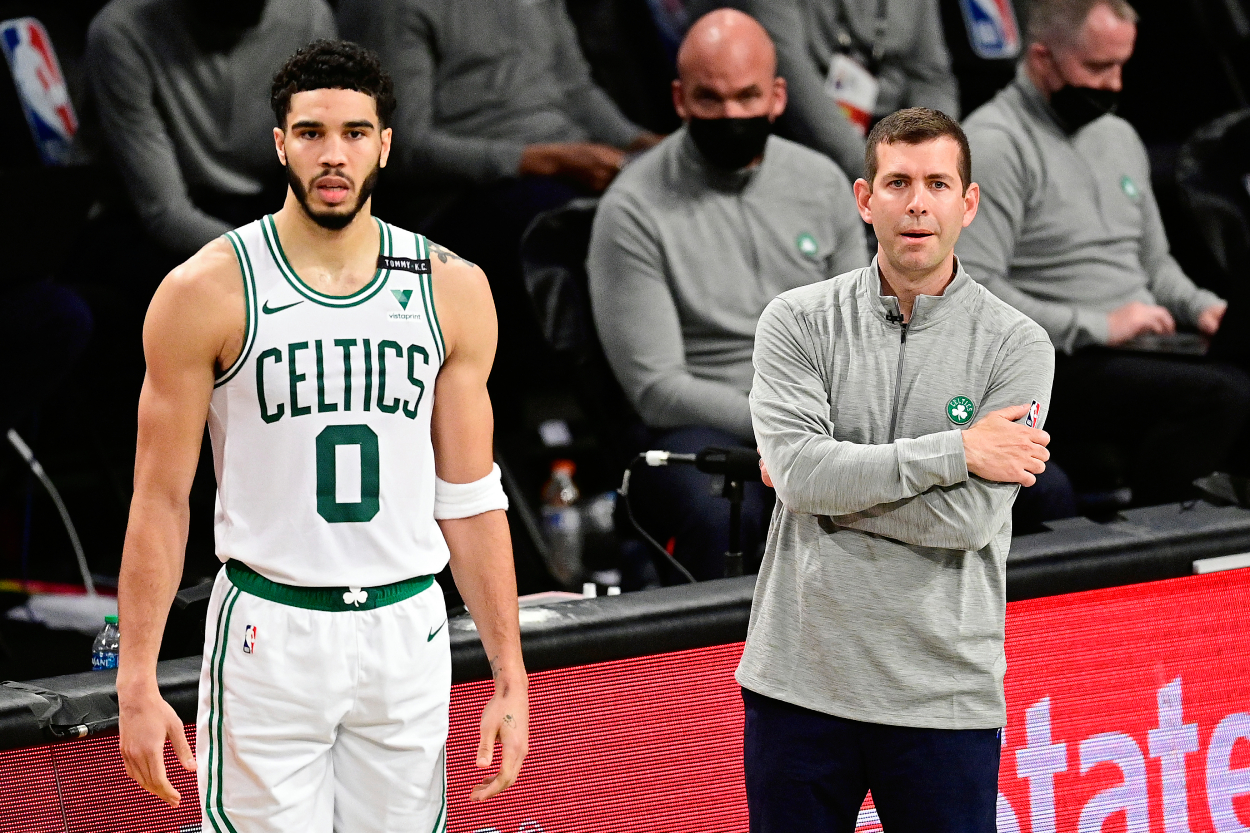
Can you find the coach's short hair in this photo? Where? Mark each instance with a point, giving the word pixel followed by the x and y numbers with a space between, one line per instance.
pixel 914 126
pixel 333 65
pixel 1055 22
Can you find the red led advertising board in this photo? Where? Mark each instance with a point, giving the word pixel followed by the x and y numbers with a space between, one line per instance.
pixel 1128 711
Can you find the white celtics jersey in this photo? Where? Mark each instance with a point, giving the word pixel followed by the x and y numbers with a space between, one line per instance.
pixel 321 428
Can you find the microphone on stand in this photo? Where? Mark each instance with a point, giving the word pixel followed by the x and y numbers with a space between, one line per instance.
pixel 737 465
pixel 734 463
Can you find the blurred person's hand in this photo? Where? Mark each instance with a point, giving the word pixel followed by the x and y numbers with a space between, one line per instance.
pixel 645 141
pixel 1209 319
pixel 1135 318
pixel 1000 449
pixel 768 481
pixel 591 165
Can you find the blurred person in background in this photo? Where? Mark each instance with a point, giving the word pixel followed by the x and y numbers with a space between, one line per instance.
pixel 498 120
pixel 847 63
pixel 492 93
pixel 1069 233
pixel 181 88
pixel 689 245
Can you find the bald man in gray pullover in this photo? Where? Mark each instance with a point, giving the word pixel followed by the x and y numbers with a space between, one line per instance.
pixel 1069 233
pixel 689 245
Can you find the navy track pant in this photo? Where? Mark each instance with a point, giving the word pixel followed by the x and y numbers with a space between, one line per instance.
pixel 810 771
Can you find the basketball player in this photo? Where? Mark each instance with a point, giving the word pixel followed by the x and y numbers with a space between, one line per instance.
pixel 341 365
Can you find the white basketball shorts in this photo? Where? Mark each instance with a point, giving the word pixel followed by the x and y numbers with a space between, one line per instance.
pixel 323 709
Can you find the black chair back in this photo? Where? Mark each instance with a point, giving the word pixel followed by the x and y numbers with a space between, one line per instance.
pixel 1213 176
pixel 553 263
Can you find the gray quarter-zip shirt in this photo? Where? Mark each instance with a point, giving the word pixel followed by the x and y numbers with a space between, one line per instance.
pixel 1068 229
pixel 882 594
pixel 684 257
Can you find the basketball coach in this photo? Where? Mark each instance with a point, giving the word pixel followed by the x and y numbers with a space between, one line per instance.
pixel 898 412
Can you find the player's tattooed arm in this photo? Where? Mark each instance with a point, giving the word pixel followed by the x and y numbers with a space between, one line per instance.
pixel 445 254
pixel 496 667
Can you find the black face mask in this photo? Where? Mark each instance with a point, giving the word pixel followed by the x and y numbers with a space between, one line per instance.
pixel 730 143
pixel 1078 106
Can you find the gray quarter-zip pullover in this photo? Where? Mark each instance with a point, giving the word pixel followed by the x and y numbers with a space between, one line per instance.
pixel 1068 229
pixel 684 257
pixel 882 594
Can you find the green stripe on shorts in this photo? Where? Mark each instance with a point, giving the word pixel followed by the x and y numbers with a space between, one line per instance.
pixel 216 717
pixel 330 599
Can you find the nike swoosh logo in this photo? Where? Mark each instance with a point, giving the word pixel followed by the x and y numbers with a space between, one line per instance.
pixel 434 632
pixel 268 310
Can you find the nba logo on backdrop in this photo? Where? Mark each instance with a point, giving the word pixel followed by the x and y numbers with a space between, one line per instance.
pixel 41 87
pixel 249 639
pixel 992 29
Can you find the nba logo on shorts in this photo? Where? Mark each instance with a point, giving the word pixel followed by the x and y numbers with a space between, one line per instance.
pixel 41 87
pixel 249 639
pixel 992 30
pixel 1034 416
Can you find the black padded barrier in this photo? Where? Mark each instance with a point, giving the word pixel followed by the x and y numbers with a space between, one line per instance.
pixel 1147 544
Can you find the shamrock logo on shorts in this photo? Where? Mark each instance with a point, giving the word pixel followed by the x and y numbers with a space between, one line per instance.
pixel 355 596
pixel 960 410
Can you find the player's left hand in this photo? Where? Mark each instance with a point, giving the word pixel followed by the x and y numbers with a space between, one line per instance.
pixel 1209 319
pixel 506 718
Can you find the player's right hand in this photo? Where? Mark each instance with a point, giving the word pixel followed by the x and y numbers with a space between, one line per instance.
pixel 1000 449
pixel 146 722
pixel 506 719
pixel 1134 318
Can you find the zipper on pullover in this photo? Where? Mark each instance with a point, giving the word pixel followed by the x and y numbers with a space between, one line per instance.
pixel 746 228
pixel 898 378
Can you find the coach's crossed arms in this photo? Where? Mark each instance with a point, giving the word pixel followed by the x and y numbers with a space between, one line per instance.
pixel 996 448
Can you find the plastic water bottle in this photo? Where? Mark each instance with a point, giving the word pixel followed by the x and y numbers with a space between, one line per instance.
pixel 601 548
pixel 562 523
pixel 104 651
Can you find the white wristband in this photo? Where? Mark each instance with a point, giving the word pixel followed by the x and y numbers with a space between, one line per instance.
pixel 464 500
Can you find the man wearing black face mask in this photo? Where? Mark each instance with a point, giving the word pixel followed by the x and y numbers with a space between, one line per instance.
pixel 690 244
pixel 1069 233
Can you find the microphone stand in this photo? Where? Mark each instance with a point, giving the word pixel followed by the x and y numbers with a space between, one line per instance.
pixel 733 558
pixel 737 465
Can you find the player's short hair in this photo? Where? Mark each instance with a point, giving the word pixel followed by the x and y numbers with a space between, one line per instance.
pixel 333 65
pixel 1054 22
pixel 914 126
